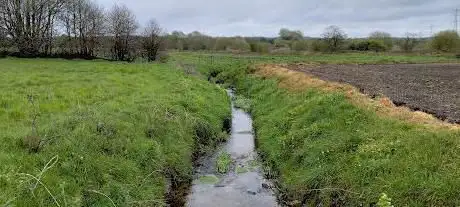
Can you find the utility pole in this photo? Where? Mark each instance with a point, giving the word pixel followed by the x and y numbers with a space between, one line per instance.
pixel 456 20
pixel 431 30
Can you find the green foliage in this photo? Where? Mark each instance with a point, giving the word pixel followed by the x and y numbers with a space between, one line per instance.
pixel 242 103
pixel 318 140
pixel 223 162
pixel 384 201
pixel 260 47
pixel 377 46
pixel 446 41
pixel 280 43
pixel 232 43
pixel 318 46
pixel 301 45
pixel 382 37
pixel 114 131
pixel 367 45
pixel 286 34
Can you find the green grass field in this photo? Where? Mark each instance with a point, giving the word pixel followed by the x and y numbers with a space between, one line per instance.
pixel 96 133
pixel 323 149
pixel 341 58
pixel 104 132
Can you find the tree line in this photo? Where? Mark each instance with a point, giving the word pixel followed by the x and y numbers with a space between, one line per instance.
pixel 79 28
pixel 333 39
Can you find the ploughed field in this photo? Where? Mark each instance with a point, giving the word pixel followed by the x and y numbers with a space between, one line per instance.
pixel 431 88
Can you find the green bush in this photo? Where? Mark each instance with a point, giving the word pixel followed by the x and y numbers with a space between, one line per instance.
pixel 359 45
pixel 300 45
pixel 383 37
pixel 446 41
pixel 260 47
pixel 377 45
pixel 318 46
pixel 367 45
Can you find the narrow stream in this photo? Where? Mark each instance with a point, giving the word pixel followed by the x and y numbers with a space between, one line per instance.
pixel 243 184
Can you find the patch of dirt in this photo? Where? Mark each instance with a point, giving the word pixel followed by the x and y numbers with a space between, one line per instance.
pixel 430 88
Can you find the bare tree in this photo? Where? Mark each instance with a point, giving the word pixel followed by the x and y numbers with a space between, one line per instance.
pixel 30 23
pixel 153 40
pixel 122 26
pixel 408 42
pixel 334 38
pixel 83 21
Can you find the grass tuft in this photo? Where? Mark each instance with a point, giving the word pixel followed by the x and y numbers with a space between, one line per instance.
pixel 223 162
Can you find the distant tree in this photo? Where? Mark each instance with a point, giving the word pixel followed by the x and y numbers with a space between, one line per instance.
pixel 334 38
pixel 318 46
pixel 286 34
pixel 382 37
pixel 409 42
pixel 153 40
pixel 231 43
pixel 446 41
pixel 239 43
pixel 198 41
pixel 299 45
pixel 196 34
pixel 179 34
pixel 83 22
pixel 222 43
pixel 176 40
pixel 122 26
pixel 280 43
pixel 260 47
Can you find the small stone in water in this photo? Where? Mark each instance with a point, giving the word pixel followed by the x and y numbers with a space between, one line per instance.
pixel 265 185
pixel 249 191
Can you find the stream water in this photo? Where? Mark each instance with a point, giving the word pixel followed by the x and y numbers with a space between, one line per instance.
pixel 244 183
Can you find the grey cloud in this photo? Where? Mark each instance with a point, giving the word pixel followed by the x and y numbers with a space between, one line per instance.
pixel 266 17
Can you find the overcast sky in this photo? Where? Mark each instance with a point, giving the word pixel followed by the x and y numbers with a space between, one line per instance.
pixel 265 17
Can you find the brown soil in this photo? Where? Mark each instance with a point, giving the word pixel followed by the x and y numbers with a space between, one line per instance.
pixel 431 88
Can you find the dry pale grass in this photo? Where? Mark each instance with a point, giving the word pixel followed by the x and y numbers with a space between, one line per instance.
pixel 383 106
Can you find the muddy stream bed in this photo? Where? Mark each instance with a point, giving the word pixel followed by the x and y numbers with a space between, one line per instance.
pixel 243 183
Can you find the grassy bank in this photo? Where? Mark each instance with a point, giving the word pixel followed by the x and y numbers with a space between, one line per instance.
pixel 325 149
pixel 93 133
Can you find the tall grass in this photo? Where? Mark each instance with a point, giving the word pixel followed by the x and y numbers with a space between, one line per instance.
pixel 327 151
pixel 114 132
